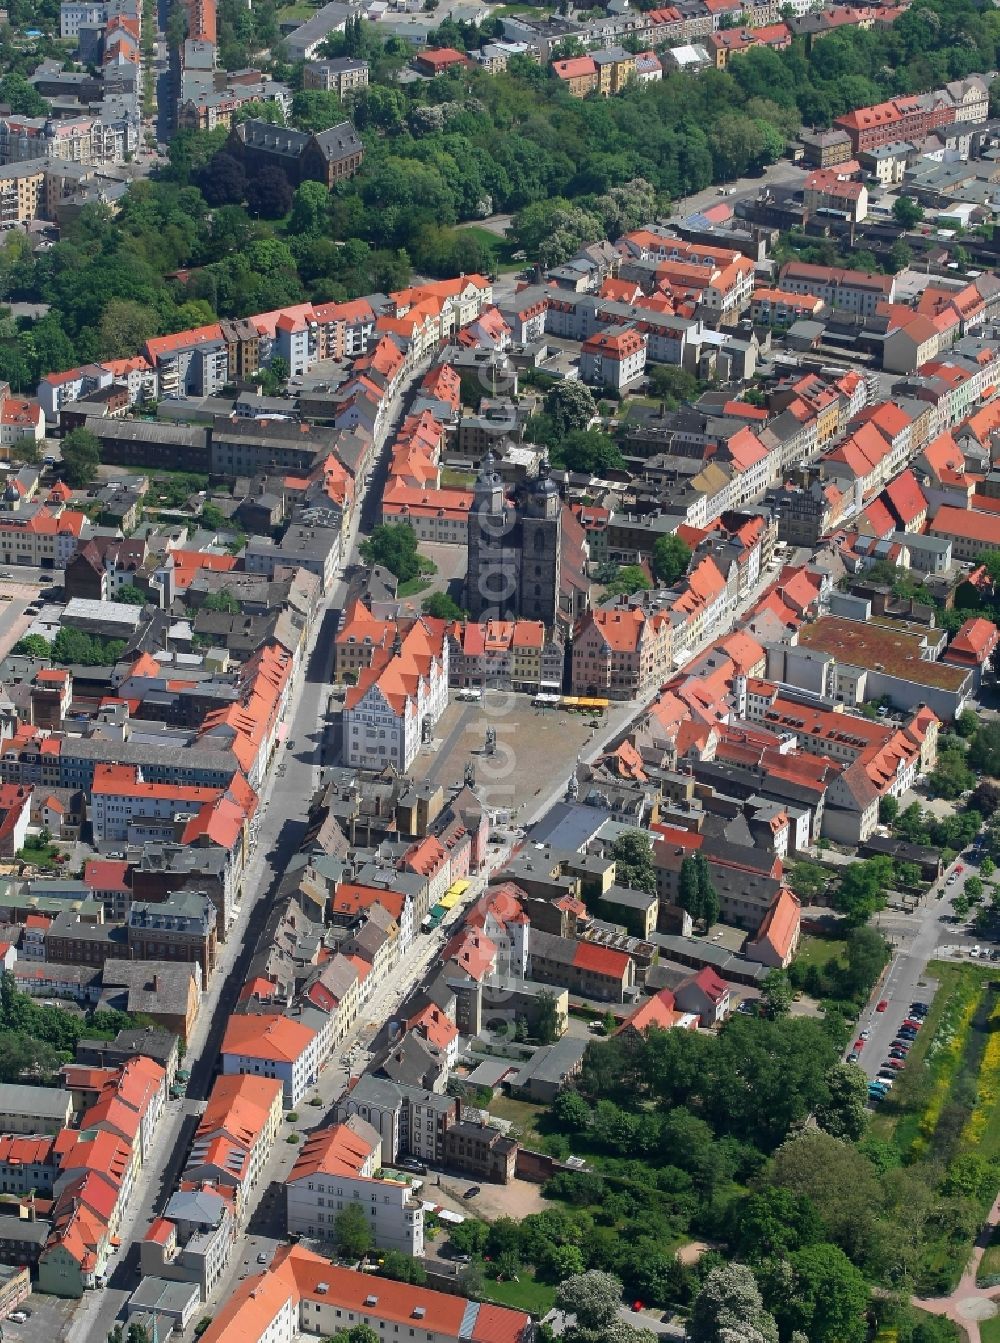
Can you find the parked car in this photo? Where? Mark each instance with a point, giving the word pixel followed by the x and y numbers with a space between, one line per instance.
pixel 412 1165
pixel 883 1005
pixel 896 1064
pixel 472 1192
pixel 865 1033
pixel 859 1044
pixel 852 1057
pixel 912 1023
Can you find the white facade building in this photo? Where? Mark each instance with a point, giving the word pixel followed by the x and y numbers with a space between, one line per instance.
pixel 337 1170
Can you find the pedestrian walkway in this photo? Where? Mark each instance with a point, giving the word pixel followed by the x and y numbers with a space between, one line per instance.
pixel 968 1304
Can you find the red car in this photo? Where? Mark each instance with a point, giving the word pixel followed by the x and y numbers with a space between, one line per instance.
pixel 959 869
pixel 859 1045
pixel 913 1023
pixel 894 1063
pixel 882 1005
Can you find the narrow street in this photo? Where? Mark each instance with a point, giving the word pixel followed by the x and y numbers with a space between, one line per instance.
pixel 284 810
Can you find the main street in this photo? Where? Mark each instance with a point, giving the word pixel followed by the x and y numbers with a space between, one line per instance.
pixel 284 805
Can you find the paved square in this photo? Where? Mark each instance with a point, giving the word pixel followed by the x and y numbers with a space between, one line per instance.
pixel 535 748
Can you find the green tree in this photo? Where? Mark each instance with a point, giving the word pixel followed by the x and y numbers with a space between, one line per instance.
pixel 688 893
pixel 472 1280
pixel 671 557
pixel 81 454
pixel 588 451
pixel 633 855
pixel 357 1333
pixel 862 888
pixel 825 1296
pixel 907 212
pixel 729 1307
pixel 468 1237
pixel 352 1233
pixel 33 646
pixel 984 752
pixel 888 810
pixel 572 1111
pixel 708 897
pixel 310 210
pixel 549 1021
pixel 443 607
pixel 402 1268
pixel 570 406
pixel 595 1299
pixel 315 110
pixel 22 98
pixel 125 327
pixel 772 1222
pixel 222 600
pixel 844 1112
pixel 807 879
pixel 627 579
pixel 840 1183
pixel 776 991
pixel 974 888
pixel 952 775
pixel 672 384
pixel 131 595
pixel 967 723
pixel 393 545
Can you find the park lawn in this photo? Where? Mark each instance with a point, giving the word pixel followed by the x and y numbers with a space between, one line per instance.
pixel 525 1294
pixel 524 1114
pixel 638 402
pixel 412 586
pixel 291 13
pixel 502 248
pixel 820 951
pixel 456 480
pixel 989 1330
pixel 39 855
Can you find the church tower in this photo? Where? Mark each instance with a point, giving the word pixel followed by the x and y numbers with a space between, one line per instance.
pixel 492 579
pixel 541 546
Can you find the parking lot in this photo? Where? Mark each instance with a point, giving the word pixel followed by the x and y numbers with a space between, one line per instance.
pixel 50 1321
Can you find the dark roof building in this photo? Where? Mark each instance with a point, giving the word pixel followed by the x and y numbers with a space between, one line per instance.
pixel 328 156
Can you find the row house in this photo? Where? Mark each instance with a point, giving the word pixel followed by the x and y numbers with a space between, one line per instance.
pixel 281 1048
pixel 505 654
pixel 236 1134
pixel 398 699
pixel 622 652
pixel 341 1167
pixel 303 1291
pixel 125 808
pixel 853 291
